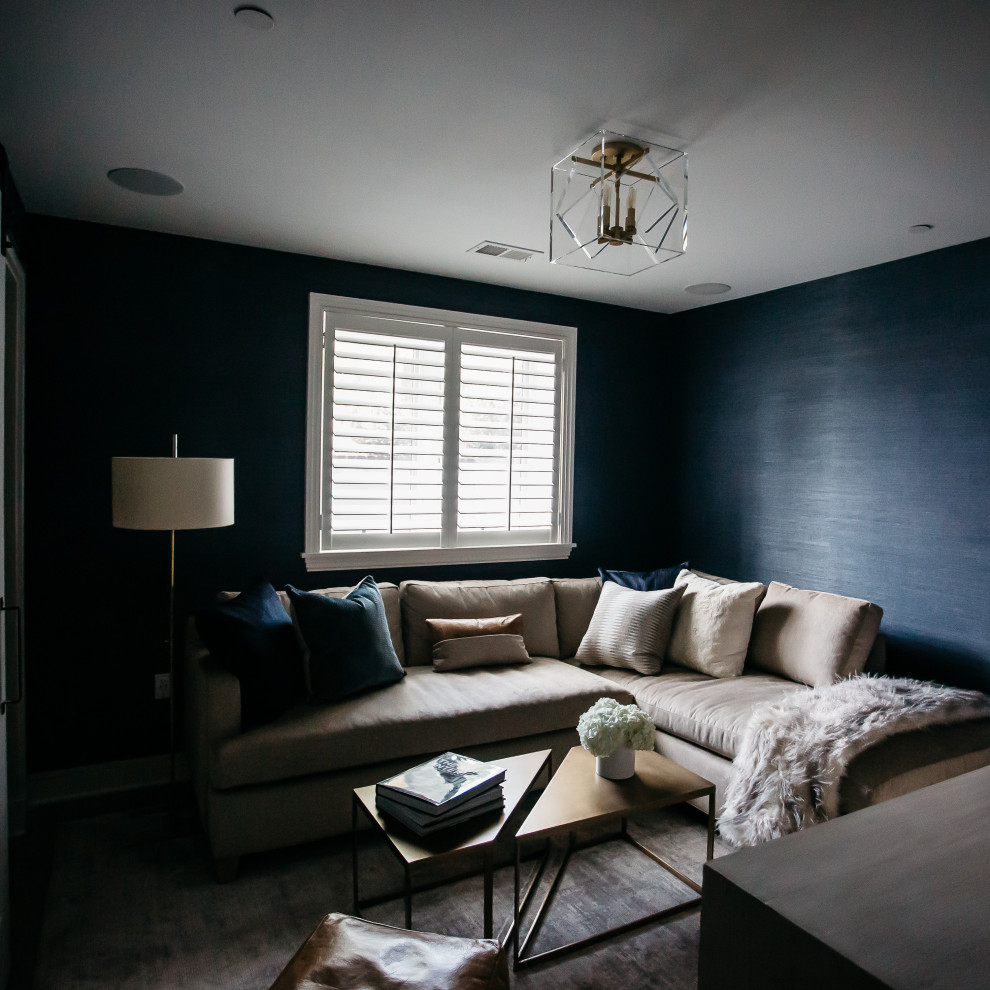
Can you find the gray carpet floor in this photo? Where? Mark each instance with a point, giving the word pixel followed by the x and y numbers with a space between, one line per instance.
pixel 132 903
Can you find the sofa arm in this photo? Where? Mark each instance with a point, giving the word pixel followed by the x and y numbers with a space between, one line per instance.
pixel 213 708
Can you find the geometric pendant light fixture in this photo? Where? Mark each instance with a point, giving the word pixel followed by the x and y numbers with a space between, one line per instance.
pixel 618 204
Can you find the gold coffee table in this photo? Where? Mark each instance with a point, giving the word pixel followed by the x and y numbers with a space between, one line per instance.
pixel 576 797
pixel 456 842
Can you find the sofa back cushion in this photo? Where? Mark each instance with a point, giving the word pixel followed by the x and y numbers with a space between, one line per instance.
pixel 575 600
pixel 812 636
pixel 532 598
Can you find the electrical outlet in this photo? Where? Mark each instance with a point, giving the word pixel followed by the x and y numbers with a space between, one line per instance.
pixel 163 686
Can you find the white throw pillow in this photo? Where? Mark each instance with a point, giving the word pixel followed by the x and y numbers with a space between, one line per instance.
pixel 713 624
pixel 629 628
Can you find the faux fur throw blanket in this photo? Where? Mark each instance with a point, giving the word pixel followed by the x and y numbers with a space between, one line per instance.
pixel 795 751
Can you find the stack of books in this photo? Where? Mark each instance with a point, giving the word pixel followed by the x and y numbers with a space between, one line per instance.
pixel 444 791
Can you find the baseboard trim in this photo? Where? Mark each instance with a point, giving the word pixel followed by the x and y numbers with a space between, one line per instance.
pixel 51 786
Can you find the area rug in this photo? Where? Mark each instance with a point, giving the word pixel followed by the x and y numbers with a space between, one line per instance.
pixel 131 904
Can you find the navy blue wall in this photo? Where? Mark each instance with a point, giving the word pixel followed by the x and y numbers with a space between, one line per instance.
pixel 832 435
pixel 133 336
pixel 836 436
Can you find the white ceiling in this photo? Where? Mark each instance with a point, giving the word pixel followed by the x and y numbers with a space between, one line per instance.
pixel 403 132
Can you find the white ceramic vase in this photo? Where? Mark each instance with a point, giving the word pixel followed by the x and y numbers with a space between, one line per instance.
pixel 620 765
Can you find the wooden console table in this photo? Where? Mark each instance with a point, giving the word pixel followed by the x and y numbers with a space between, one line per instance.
pixel 891 896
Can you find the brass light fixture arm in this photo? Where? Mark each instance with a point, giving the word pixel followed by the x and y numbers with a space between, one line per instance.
pixel 617 169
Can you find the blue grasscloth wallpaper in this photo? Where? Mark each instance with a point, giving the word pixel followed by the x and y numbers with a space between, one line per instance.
pixel 833 435
pixel 133 336
pixel 836 436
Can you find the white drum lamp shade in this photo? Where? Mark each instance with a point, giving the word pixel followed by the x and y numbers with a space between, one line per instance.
pixel 169 493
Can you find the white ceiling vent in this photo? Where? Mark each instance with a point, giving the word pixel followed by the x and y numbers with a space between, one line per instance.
pixel 505 251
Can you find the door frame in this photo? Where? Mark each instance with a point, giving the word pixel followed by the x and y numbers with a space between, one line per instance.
pixel 13 563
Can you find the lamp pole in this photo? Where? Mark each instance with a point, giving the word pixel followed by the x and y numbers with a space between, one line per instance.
pixel 171 648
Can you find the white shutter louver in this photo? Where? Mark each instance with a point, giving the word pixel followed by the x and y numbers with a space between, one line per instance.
pixel 386 448
pixel 506 440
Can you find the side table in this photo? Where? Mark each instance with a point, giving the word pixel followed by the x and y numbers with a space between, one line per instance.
pixel 575 797
pixel 456 842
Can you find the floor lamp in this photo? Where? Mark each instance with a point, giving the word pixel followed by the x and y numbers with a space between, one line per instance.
pixel 170 493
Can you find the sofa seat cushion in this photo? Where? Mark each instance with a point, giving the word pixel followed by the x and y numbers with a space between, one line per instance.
pixel 709 711
pixel 423 713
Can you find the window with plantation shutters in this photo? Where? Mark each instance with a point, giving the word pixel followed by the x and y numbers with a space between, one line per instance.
pixel 436 437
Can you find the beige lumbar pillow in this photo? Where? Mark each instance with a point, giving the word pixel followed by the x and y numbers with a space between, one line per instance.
pixel 461 628
pixel 812 637
pixel 713 624
pixel 629 628
pixel 486 650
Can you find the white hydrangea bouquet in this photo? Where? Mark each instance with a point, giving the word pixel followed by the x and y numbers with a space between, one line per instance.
pixel 607 726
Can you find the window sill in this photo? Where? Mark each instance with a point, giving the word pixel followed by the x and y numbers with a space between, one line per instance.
pixel 355 560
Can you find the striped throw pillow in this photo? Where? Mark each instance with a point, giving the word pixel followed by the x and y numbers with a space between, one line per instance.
pixel 629 628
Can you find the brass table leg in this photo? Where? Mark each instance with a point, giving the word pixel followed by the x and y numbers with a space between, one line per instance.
pixel 711 825
pixel 489 884
pixel 522 943
pixel 354 853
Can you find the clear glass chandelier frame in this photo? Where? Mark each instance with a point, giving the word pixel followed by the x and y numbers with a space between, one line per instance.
pixel 619 204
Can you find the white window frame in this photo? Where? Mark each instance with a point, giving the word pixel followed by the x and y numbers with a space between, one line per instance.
pixel 323 311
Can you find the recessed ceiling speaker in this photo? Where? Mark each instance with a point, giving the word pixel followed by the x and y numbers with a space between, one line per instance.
pixel 254 18
pixel 146 182
pixel 707 288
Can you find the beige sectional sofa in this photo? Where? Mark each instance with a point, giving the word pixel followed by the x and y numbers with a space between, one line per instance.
pixel 290 781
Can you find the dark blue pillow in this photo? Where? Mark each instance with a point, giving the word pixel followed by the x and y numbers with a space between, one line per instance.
pixel 252 637
pixel 658 580
pixel 350 649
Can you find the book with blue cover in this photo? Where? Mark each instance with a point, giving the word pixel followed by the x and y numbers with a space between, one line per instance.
pixel 489 800
pixel 442 783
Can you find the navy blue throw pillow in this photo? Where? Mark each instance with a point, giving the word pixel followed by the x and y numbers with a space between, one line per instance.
pixel 659 580
pixel 350 649
pixel 252 637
